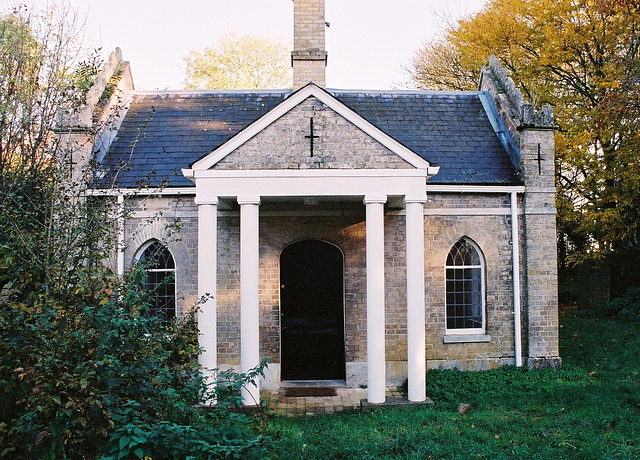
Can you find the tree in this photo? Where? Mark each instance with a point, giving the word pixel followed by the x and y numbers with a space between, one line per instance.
pixel 437 66
pixel 245 62
pixel 580 56
pixel 38 51
pixel 84 373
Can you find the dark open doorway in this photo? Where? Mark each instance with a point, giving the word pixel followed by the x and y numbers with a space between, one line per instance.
pixel 312 311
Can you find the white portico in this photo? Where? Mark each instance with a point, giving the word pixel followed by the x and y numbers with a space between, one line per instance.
pixel 250 182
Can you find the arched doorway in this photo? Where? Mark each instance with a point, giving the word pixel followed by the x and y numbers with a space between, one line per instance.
pixel 312 311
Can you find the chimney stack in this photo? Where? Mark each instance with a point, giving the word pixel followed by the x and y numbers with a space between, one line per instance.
pixel 308 57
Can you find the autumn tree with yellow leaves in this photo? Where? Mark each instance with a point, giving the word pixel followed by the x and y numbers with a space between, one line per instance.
pixel 582 57
pixel 240 62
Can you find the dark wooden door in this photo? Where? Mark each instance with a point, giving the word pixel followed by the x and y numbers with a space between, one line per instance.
pixel 312 311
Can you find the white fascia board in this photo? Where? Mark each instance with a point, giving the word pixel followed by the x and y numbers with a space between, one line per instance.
pixel 475 188
pixel 310 90
pixel 297 183
pixel 306 173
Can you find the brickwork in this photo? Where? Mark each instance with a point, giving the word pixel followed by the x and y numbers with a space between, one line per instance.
pixel 172 221
pixel 229 290
pixel 540 255
pixel 308 70
pixel 533 132
pixel 283 145
pixel 309 57
pixel 467 201
pixel 308 17
pixel 492 236
pixel 342 224
pixel 395 291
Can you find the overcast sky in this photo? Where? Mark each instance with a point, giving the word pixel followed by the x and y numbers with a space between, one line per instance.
pixel 368 41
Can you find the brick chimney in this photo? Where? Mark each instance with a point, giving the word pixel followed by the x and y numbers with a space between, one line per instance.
pixel 308 57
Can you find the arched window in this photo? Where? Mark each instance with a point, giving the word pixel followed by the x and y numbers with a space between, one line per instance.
pixel 465 289
pixel 160 281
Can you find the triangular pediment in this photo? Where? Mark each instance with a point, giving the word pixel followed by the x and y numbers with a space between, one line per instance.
pixel 311 129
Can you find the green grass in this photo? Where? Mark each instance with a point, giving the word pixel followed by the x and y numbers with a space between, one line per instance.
pixel 588 410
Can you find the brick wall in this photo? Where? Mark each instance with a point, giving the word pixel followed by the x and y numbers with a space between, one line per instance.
pixel 172 220
pixel 492 236
pixel 540 255
pixel 533 131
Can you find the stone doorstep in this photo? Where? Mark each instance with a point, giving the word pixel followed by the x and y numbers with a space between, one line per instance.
pixel 348 400
pixel 313 383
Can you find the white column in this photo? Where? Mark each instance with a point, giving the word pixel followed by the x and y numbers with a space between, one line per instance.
pixel 249 293
pixel 207 285
pixel 416 359
pixel 376 360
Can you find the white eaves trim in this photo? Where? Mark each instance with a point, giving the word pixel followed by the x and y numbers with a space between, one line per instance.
pixel 475 188
pixel 312 90
pixel 301 173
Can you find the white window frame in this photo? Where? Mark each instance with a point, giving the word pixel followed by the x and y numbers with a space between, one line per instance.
pixel 477 332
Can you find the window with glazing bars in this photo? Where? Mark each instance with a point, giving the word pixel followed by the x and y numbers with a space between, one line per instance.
pixel 160 280
pixel 465 298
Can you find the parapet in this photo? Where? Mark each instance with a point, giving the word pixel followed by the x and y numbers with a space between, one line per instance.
pixel 115 77
pixel 517 113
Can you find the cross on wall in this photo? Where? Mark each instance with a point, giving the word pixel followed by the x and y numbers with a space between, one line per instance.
pixel 311 136
pixel 539 159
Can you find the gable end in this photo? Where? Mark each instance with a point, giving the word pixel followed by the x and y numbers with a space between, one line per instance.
pixel 328 101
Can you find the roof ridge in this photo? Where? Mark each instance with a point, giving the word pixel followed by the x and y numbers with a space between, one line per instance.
pixel 204 92
pixel 189 92
pixel 408 92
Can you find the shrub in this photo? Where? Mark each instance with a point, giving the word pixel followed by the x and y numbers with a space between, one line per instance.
pixel 84 372
pixel 626 307
pixel 96 376
pixel 508 381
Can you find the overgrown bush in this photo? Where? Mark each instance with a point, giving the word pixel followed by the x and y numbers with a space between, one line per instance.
pixel 84 371
pixel 508 381
pixel 94 377
pixel 626 307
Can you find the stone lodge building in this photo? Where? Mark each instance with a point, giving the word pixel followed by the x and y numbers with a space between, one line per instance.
pixel 356 237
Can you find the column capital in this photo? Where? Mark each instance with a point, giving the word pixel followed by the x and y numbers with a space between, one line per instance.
pixel 415 198
pixel 249 199
pixel 375 198
pixel 207 199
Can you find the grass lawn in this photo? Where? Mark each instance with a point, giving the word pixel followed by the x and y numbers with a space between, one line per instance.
pixel 588 410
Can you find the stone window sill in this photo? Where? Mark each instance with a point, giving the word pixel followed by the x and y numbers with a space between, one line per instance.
pixel 466 338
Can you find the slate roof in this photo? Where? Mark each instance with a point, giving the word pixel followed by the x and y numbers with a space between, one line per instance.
pixel 162 133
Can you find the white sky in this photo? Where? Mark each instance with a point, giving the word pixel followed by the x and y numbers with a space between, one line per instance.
pixel 368 41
